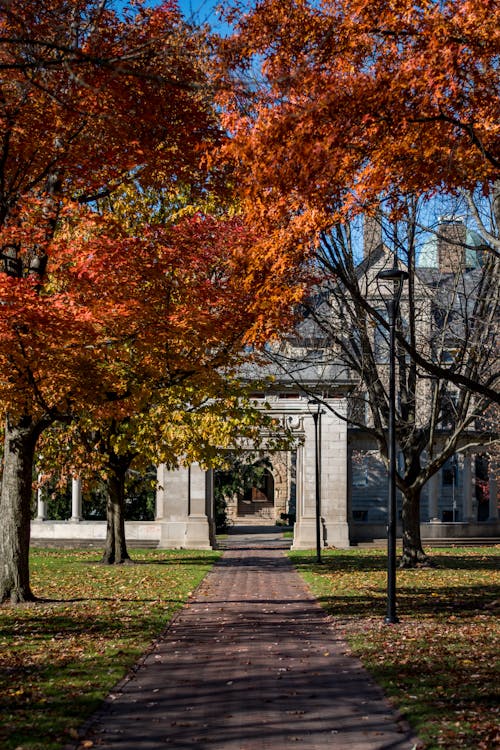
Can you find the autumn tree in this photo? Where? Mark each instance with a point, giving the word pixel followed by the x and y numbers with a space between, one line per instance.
pixel 334 106
pixel 87 97
pixel 185 426
pixel 216 298
pixel 93 98
pixel 176 356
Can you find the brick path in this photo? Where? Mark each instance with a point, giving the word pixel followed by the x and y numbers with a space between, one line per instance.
pixel 251 663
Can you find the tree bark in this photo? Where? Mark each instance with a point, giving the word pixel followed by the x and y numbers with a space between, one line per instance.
pixel 115 551
pixel 15 510
pixel 413 553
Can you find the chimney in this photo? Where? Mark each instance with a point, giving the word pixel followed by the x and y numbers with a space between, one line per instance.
pixel 372 233
pixel 451 240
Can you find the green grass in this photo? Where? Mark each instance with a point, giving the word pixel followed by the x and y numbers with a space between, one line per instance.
pixel 439 665
pixel 60 656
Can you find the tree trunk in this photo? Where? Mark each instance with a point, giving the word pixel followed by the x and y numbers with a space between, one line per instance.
pixel 15 510
pixel 413 554
pixel 115 552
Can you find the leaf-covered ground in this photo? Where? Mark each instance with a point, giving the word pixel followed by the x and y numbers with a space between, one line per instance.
pixel 439 664
pixel 59 657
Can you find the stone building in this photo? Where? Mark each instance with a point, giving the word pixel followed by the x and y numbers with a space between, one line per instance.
pixel 460 500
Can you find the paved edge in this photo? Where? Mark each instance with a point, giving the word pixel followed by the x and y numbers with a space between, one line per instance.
pixel 106 703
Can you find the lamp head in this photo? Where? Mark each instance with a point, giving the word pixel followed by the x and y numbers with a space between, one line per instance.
pixel 397 277
pixel 393 274
pixel 313 402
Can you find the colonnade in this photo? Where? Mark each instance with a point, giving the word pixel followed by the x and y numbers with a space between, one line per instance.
pixel 76 503
pixel 185 497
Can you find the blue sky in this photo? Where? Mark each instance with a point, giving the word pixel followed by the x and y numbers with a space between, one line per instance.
pixel 204 11
pixel 199 10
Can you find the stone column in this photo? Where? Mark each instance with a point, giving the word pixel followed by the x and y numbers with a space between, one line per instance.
pixel 334 500
pixel 281 470
pixel 333 447
pixel 210 506
pixel 76 500
pixel 433 489
pixel 299 485
pixel 41 504
pixel 304 534
pixel 197 527
pixel 291 479
pixel 181 508
pixel 493 504
pixel 467 489
pixel 172 498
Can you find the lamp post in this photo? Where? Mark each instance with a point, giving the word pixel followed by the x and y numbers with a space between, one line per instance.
pixel 397 277
pixel 316 415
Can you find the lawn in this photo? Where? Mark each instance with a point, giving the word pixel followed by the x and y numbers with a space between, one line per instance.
pixel 60 656
pixel 439 664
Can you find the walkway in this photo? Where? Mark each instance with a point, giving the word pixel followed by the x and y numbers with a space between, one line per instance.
pixel 251 663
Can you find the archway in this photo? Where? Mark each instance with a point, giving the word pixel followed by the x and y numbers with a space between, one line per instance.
pixel 258 501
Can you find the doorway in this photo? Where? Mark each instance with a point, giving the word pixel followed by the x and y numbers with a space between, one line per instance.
pixel 258 501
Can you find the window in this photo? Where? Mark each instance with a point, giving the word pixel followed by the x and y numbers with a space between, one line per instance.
pixel 449 473
pixel 359 515
pixel 449 410
pixel 381 339
pixel 357 410
pixel 359 474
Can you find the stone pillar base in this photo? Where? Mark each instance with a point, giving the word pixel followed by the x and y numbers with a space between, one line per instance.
pixel 197 533
pixel 304 534
pixel 194 533
pixel 337 535
pixel 172 535
pixel 332 534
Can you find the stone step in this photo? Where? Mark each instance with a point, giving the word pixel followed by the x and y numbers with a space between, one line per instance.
pixel 451 542
pixel 253 521
pixel 89 543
